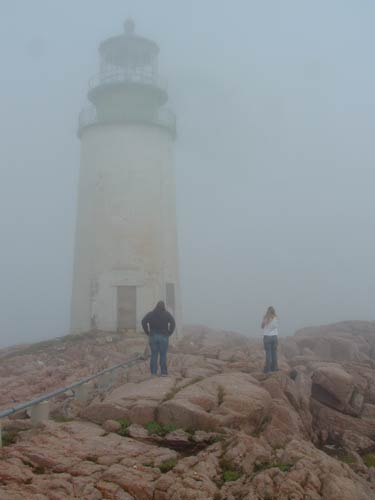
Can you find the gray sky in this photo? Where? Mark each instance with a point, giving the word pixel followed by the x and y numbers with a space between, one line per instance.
pixel 275 160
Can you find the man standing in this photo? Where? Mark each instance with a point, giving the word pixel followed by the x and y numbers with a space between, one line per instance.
pixel 159 325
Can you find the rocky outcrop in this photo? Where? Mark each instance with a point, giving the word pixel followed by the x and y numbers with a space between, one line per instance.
pixel 233 400
pixel 136 402
pixel 352 341
pixel 334 387
pixel 217 428
pixel 27 371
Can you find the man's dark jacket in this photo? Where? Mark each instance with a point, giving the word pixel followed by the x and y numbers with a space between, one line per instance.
pixel 159 321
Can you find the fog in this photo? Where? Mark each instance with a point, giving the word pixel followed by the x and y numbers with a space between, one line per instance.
pixel 275 167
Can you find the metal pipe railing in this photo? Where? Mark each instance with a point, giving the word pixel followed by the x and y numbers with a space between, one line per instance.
pixel 164 118
pixel 57 392
pixel 108 77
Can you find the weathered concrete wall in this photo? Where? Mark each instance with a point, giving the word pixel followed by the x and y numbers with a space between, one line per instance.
pixel 126 224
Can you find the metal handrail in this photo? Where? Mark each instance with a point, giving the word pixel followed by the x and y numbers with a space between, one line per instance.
pixel 126 76
pixel 165 118
pixel 57 392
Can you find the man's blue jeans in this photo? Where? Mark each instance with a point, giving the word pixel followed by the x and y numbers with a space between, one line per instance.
pixel 159 347
pixel 270 346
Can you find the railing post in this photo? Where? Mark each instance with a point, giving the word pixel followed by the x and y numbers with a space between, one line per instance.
pixel 40 406
pixel 105 381
pixel 82 392
pixel 39 413
pixel 118 376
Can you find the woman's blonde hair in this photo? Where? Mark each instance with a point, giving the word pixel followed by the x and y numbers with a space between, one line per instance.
pixel 270 314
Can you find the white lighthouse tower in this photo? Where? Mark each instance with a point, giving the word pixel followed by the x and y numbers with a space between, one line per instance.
pixel 126 238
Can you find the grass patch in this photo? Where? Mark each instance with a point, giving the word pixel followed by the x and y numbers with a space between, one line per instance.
pixel 167 465
pixel 230 472
pixel 284 467
pixel 231 475
pixel 369 459
pixel 9 438
pixel 124 429
pixel 259 467
pixel 159 429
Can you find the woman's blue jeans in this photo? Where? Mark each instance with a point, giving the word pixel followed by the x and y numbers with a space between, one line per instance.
pixel 270 346
pixel 159 348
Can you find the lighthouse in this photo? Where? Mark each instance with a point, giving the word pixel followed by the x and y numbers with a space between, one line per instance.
pixel 126 255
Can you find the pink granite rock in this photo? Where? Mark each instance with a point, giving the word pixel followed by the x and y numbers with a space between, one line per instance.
pixel 111 426
pixel 296 434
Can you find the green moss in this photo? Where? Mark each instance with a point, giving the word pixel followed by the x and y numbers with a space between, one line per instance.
pixel 154 428
pixel 167 465
pixel 159 429
pixel 259 467
pixel 284 467
pixel 369 459
pixel 167 428
pixel 231 475
pixel 230 472
pixel 124 429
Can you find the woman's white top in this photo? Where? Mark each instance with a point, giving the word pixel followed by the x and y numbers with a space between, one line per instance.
pixel 272 328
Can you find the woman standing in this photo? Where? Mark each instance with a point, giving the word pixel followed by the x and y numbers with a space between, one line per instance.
pixel 270 327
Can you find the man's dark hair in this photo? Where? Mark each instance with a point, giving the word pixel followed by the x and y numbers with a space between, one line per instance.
pixel 160 306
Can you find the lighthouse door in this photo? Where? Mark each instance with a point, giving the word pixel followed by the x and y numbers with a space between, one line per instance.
pixel 126 308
